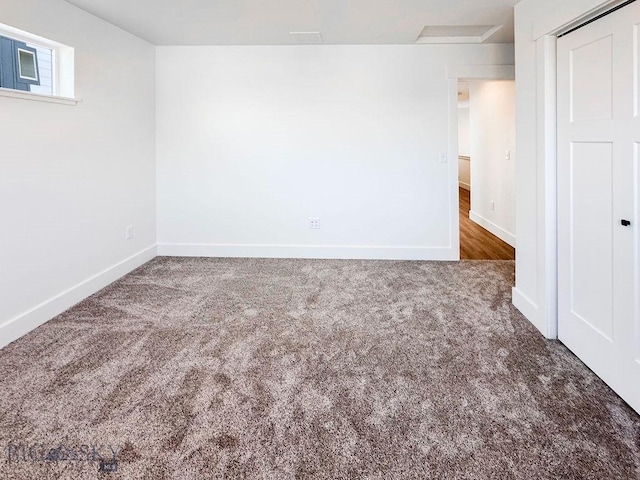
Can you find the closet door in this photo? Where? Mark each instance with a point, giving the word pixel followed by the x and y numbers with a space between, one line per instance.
pixel 598 198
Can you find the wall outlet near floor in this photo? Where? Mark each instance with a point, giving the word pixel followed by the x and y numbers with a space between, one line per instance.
pixel 492 205
pixel 128 234
pixel 314 223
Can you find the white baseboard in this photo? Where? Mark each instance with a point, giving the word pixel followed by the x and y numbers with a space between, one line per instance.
pixel 530 310
pixel 499 232
pixel 304 251
pixel 27 321
pixel 523 303
pixel 464 185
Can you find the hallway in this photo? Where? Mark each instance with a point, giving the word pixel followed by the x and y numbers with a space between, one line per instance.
pixel 476 243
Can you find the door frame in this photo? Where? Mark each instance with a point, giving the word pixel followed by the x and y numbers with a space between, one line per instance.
pixel 455 74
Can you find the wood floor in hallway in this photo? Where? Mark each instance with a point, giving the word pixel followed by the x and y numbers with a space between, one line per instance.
pixel 476 243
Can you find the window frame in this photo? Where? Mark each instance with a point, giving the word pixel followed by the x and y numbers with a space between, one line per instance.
pixel 63 68
pixel 33 53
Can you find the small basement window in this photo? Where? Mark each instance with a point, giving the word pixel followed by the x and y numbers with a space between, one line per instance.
pixel 32 64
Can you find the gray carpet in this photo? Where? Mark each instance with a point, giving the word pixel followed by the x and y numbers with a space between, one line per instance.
pixel 277 369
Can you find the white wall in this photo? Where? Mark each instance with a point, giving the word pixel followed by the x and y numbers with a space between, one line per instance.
pixel 535 293
pixel 73 177
pixel 464 149
pixel 263 138
pixel 464 145
pixel 492 135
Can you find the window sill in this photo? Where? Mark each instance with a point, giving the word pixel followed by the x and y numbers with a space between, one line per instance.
pixel 6 92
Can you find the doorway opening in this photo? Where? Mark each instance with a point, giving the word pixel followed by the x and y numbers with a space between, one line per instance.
pixel 486 169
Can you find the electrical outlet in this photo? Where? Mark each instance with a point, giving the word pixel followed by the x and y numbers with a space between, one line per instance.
pixel 493 206
pixel 443 157
pixel 128 234
pixel 314 223
pixel 508 156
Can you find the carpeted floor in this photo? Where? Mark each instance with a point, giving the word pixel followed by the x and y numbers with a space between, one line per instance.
pixel 276 369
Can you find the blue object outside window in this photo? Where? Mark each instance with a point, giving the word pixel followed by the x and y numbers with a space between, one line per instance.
pixel 18 65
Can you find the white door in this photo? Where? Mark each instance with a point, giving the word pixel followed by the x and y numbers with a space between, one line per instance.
pixel 598 191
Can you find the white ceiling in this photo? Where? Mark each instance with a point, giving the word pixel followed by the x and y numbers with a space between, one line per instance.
pixel 268 22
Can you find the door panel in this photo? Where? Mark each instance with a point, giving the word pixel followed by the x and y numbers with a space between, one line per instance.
pixel 591 82
pixel 591 202
pixel 598 187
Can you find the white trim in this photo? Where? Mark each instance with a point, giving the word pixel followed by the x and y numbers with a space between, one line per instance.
pixel 454 169
pixel 28 321
pixel 7 92
pixel 306 251
pixel 549 163
pixel 530 310
pixel 499 232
